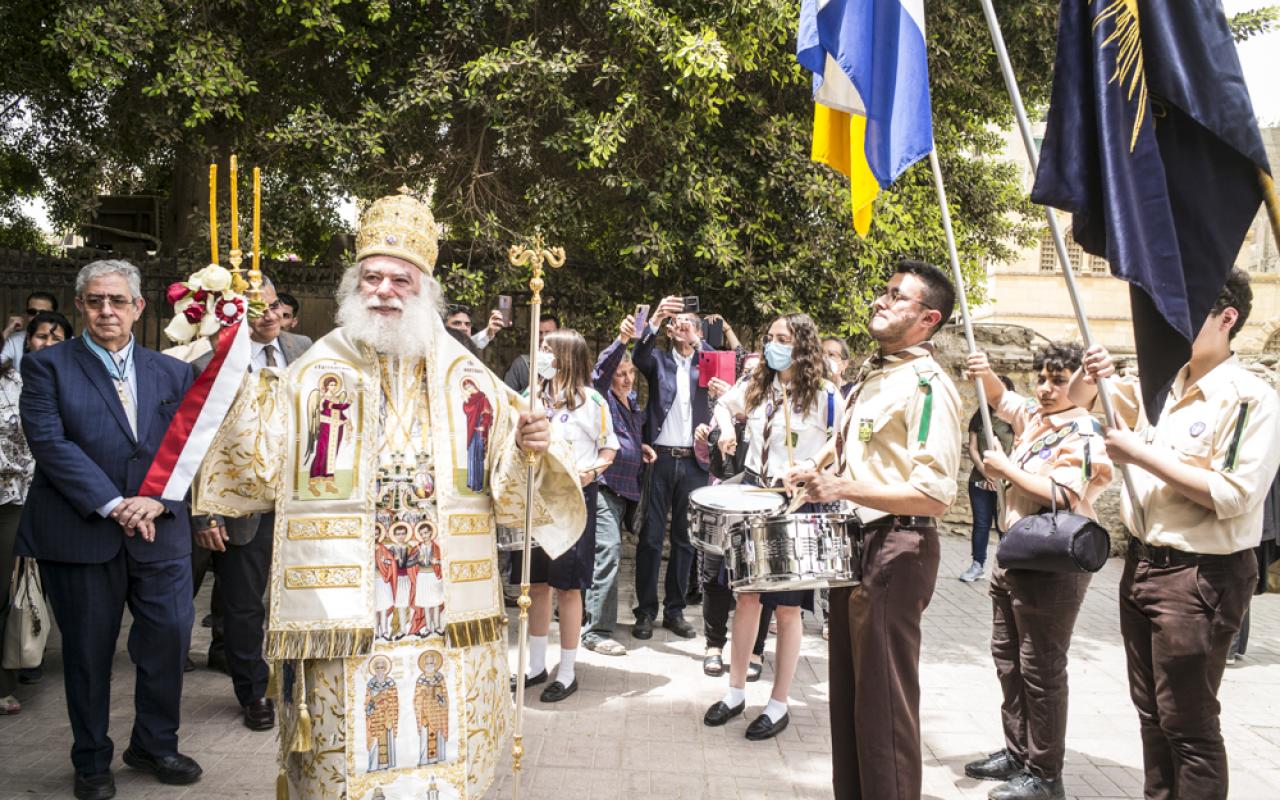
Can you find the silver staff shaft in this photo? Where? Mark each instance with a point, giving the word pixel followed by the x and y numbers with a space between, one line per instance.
pixel 1055 231
pixel 967 323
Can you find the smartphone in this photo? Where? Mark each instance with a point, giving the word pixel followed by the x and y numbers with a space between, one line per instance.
pixel 642 317
pixel 504 307
pixel 713 333
pixel 691 303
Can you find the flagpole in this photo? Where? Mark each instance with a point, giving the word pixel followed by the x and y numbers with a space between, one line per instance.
pixel 1273 203
pixel 1059 244
pixel 983 408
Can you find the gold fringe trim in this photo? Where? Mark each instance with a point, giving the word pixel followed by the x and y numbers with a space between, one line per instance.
pixel 328 643
pixel 476 631
pixel 273 682
pixel 282 785
pixel 302 736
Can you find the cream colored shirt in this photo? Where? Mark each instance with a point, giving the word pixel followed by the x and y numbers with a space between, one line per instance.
pixel 1055 446
pixel 809 428
pixel 889 407
pixel 1198 427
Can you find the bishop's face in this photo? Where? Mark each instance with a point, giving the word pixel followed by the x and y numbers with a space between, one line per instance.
pixel 386 282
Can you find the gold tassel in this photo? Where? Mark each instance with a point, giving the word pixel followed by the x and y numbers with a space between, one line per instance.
pixel 273 681
pixel 282 785
pixel 302 738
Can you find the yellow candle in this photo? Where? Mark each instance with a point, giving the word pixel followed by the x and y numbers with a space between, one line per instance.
pixel 257 221
pixel 235 215
pixel 213 213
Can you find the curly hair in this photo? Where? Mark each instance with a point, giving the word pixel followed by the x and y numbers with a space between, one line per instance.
pixel 1058 356
pixel 809 371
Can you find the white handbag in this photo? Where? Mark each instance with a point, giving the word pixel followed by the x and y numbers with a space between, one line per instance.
pixel 27 627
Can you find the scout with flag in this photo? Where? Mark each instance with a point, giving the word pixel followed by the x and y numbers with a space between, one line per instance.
pixel 1153 146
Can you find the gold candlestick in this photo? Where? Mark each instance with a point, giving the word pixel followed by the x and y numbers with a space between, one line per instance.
pixel 255 271
pixel 213 213
pixel 534 255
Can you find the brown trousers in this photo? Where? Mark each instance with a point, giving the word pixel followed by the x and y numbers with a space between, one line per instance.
pixel 1033 616
pixel 1177 622
pixel 875 666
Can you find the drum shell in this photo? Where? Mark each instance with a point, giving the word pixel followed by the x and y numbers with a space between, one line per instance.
pixel 709 525
pixel 509 539
pixel 791 552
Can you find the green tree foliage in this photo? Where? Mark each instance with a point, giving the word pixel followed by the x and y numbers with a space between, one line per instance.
pixel 1248 24
pixel 663 143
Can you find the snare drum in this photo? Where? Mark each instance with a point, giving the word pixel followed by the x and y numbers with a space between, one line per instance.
pixel 795 551
pixel 713 510
pixel 509 539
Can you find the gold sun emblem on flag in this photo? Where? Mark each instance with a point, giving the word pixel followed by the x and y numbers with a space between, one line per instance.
pixel 1128 40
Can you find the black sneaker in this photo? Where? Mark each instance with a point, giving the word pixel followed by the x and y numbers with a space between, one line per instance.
pixel 999 766
pixel 1025 786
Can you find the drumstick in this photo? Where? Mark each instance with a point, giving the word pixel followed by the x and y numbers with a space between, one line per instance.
pixel 766 489
pixel 820 463
pixel 786 419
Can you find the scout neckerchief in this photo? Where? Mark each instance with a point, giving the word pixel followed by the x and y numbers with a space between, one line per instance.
pixel 869 367
pixel 770 409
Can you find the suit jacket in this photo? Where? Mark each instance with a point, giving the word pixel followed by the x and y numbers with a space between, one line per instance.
pixel 86 454
pixel 241 530
pixel 659 368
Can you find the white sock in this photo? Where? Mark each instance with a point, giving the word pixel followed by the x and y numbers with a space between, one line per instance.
pixel 734 697
pixel 537 656
pixel 564 673
pixel 775 710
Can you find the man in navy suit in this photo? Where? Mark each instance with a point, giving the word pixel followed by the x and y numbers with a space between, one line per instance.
pixel 677 406
pixel 94 411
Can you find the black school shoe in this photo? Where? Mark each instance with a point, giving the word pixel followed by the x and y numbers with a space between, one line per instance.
pixel 557 691
pixel 1025 786
pixel 998 766
pixel 764 728
pixel 720 713
pixel 177 769
pixel 677 624
pixel 541 677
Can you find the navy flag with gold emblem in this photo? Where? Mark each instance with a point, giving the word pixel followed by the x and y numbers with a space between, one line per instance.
pixel 1152 145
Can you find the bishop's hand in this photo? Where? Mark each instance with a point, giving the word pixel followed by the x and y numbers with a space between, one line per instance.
pixel 533 433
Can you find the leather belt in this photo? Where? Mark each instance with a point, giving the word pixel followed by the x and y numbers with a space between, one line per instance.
pixel 673 452
pixel 902 521
pixel 1169 556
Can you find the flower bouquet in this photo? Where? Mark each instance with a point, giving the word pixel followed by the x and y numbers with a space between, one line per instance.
pixel 208 301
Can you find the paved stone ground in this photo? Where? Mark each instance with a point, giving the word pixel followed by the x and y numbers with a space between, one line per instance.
pixel 634 729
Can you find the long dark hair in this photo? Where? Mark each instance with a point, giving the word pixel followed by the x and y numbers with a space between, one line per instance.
pixel 809 371
pixel 573 368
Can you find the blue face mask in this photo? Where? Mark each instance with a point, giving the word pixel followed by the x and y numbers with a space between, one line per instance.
pixel 777 356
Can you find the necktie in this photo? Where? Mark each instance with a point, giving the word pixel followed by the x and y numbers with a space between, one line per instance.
pixel 121 379
pixel 269 352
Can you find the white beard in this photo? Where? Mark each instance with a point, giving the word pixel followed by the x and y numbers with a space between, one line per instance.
pixel 409 334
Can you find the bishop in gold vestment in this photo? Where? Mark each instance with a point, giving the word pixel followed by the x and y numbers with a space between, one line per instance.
pixel 363 446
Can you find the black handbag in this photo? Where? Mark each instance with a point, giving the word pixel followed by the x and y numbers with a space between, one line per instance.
pixel 1055 540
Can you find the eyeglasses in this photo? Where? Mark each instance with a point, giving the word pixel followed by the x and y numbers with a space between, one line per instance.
pixel 896 296
pixel 31 312
pixel 99 301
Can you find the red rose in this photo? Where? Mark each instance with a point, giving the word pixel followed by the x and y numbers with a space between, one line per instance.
pixel 194 313
pixel 176 292
pixel 199 296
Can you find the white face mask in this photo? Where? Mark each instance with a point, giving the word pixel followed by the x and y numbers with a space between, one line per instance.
pixel 833 366
pixel 546 366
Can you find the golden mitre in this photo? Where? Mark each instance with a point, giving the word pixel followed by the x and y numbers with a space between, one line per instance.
pixel 400 226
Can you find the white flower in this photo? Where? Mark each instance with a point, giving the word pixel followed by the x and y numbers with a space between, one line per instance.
pixel 209 325
pixel 212 278
pixel 181 331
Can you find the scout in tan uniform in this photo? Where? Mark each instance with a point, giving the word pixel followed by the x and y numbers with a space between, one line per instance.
pixel 896 457
pixel 1201 474
pixel 1057 449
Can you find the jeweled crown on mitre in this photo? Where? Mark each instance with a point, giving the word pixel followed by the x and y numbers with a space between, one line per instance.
pixel 400 226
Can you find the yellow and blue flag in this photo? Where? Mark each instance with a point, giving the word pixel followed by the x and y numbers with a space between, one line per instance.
pixel 1152 144
pixel 871 116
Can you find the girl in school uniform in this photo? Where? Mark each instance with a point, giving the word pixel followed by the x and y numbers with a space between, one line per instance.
pixel 580 419
pixel 791 410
